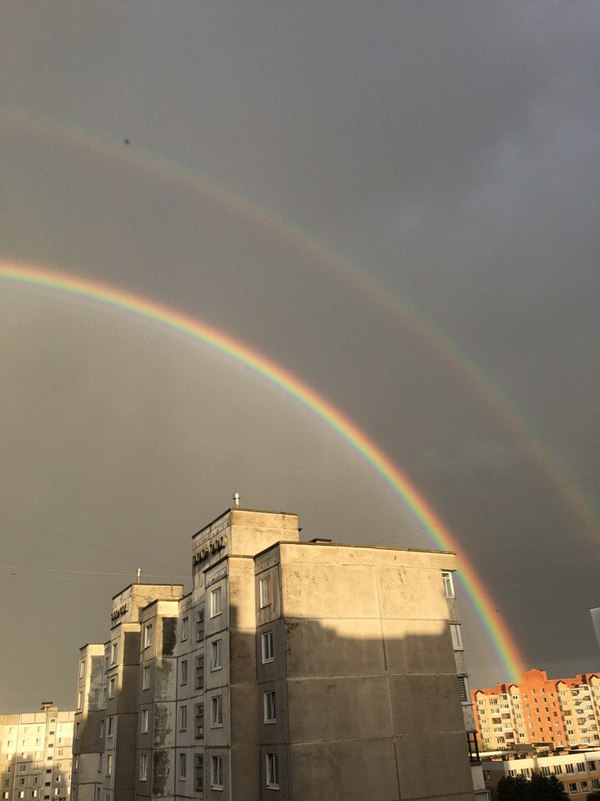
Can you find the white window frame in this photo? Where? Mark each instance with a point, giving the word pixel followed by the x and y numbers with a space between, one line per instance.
pixel 113 653
pixel 183 671
pixel 183 718
pixel 216 602
pixel 148 635
pixel 456 634
pixel 145 721
pixel 143 767
pixel 112 683
pixel 265 592
pixel 216 772
pixel 110 726
pixel 272 771
pixel 216 654
pixel 216 712
pixel 184 628
pixel 109 761
pixel 448 582
pixel 267 643
pixel 146 677
pixel 182 766
pixel 270 706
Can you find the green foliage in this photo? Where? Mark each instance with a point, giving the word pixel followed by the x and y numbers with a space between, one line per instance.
pixel 538 788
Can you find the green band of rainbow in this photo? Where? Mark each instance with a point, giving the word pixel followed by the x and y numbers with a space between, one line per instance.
pixel 501 639
pixel 399 310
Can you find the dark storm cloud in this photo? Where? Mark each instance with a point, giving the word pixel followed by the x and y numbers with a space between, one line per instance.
pixel 449 149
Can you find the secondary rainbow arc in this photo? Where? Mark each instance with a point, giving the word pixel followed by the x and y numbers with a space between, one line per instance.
pixel 502 641
pixel 399 310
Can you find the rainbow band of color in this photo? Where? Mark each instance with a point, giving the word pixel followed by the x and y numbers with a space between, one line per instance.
pixel 501 638
pixel 274 225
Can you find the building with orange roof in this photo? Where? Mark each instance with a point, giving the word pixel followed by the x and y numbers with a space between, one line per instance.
pixel 558 712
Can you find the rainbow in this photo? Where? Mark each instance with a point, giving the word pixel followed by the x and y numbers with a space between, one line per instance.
pixel 500 637
pixel 411 320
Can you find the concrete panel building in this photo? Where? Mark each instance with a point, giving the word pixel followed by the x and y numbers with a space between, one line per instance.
pixel 559 712
pixel 299 671
pixel 578 771
pixel 35 754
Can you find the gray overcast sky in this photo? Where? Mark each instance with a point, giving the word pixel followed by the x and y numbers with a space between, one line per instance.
pixel 449 150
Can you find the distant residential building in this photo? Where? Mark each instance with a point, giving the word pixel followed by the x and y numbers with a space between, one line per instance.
pixel 35 754
pixel 560 712
pixel 579 771
pixel 292 670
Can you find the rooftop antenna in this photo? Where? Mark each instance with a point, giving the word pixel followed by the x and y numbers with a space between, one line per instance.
pixel 236 499
pixel 138 576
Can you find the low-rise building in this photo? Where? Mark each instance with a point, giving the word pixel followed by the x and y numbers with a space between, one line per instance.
pixel 579 771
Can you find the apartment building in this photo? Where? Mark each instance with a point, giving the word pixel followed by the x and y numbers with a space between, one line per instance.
pixel 578 771
pixel 299 671
pixel 560 712
pixel 35 754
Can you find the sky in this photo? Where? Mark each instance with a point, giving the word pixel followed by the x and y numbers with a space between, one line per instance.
pixel 397 202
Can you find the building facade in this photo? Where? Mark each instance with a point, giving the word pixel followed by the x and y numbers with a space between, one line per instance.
pixel 35 754
pixel 578 771
pixel 560 712
pixel 292 670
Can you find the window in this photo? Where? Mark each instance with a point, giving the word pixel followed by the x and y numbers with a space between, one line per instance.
pixel 182 763
pixel 81 668
pixel 34 793
pixel 199 721
pixel 267 646
pixel 184 629
pixel 581 767
pixel 75 762
pixel 113 653
pixel 100 763
pixel 216 662
pixel 216 604
pixel 109 764
pixel 273 771
pixel 546 771
pixel 146 677
pixel 592 764
pixel 264 592
pixel 198 773
pixel 143 767
pixel 183 718
pixel 270 706
pixel 596 784
pixel 199 672
pixel 572 787
pixel 216 772
pixel 22 793
pixel 199 625
pixel 184 671
pixel 148 635
pixel 79 699
pixel 463 689
pixel 145 721
pixel 216 711
pixel 101 732
pixel 111 686
pixel 456 635
pixel 569 768
pixel 448 584
pixel 110 726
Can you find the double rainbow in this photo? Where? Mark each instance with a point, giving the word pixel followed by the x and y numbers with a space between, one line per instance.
pixel 499 635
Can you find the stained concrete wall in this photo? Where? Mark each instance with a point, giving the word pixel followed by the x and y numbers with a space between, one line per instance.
pixel 368 703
